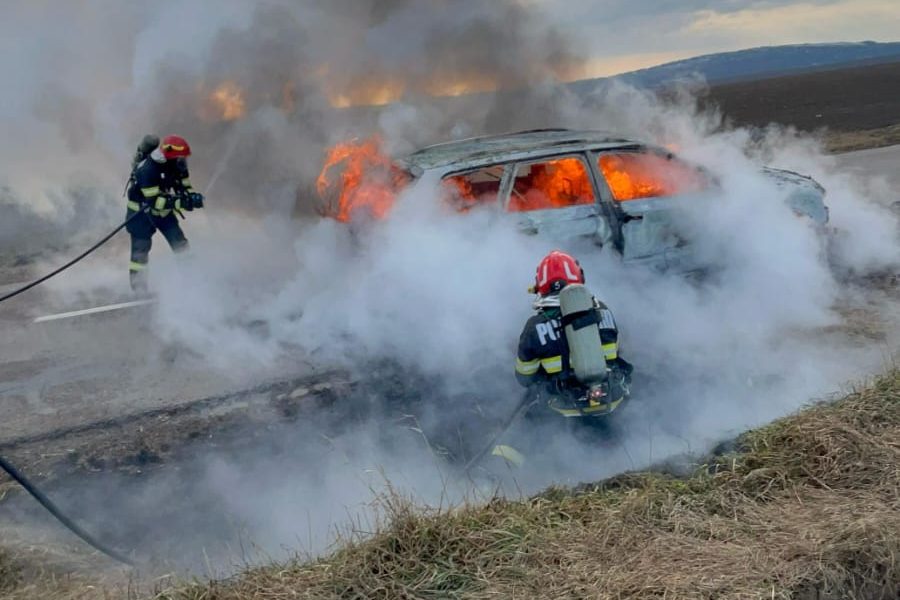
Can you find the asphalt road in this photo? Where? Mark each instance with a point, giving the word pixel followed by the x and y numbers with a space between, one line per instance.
pixel 65 373
pixel 884 162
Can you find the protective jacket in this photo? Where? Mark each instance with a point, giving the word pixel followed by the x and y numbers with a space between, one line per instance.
pixel 164 186
pixel 543 351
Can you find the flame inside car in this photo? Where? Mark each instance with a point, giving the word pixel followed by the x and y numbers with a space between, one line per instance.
pixel 551 184
pixel 359 177
pixel 368 181
pixel 635 176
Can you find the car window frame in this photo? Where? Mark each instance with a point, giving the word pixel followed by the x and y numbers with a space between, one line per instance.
pixel 504 179
pixel 661 152
pixel 516 163
pixel 610 208
pixel 651 203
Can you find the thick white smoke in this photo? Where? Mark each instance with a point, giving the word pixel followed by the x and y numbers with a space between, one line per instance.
pixel 444 295
pixel 433 295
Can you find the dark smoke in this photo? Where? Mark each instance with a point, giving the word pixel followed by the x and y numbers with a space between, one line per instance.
pixel 291 61
pixel 154 70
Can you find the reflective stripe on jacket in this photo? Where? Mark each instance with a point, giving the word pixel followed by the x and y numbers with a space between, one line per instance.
pixel 543 351
pixel 155 183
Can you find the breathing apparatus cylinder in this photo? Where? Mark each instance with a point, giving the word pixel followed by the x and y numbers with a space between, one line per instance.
pixel 148 144
pixel 581 324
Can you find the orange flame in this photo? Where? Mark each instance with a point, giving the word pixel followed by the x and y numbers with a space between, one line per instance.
pixel 461 187
pixel 552 184
pixel 635 176
pixel 379 92
pixel 459 193
pixel 227 101
pixel 381 87
pixel 369 180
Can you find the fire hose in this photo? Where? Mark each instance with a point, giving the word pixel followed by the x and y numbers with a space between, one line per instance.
pixel 220 168
pixel 12 470
pixel 8 467
pixel 75 260
pixel 54 510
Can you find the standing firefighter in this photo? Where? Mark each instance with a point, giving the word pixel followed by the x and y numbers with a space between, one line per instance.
pixel 160 186
pixel 557 345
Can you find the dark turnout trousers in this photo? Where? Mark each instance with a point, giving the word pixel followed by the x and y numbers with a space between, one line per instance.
pixel 142 229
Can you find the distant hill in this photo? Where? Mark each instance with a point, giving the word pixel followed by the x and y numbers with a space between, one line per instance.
pixel 757 63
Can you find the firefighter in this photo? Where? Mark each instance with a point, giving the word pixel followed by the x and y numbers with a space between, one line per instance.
pixel 543 350
pixel 160 187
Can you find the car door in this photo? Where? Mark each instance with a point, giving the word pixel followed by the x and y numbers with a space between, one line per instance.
pixel 556 197
pixel 646 189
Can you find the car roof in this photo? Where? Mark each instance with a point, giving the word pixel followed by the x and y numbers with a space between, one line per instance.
pixel 500 147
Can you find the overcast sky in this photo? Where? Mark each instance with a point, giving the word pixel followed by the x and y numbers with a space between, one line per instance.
pixel 623 35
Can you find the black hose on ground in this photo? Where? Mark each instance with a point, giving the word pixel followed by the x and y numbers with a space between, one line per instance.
pixel 74 260
pixel 52 508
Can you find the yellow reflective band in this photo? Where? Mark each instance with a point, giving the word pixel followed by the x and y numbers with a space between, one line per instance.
pixel 529 367
pixel 509 454
pixel 160 213
pixel 611 351
pixel 136 266
pixel 602 407
pixel 599 408
pixel 134 206
pixel 552 364
pixel 160 204
pixel 150 192
pixel 186 182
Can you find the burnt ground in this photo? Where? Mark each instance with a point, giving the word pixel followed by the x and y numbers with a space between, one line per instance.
pixel 128 464
pixel 840 101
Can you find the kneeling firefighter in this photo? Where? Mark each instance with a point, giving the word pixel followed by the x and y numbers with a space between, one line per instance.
pixel 160 187
pixel 570 349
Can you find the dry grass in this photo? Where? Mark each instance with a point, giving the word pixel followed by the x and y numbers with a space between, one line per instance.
pixel 848 141
pixel 808 509
pixel 36 572
pixel 10 576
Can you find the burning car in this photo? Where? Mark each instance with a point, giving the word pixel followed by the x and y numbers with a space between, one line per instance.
pixel 555 182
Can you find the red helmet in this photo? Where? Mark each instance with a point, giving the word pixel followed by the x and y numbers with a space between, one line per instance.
pixel 556 271
pixel 174 146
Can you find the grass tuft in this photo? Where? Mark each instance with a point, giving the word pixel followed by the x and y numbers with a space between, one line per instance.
pixel 10 575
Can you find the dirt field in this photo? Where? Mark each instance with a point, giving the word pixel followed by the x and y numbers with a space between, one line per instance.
pixel 845 102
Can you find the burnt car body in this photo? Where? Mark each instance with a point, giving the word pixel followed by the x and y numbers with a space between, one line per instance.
pixel 562 183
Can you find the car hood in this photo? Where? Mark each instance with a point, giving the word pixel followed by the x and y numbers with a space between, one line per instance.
pixel 805 195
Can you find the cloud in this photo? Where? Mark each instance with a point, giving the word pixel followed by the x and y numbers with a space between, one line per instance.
pixel 845 20
pixel 623 36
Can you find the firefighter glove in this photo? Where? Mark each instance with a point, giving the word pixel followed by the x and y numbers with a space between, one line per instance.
pixel 184 201
pixel 172 201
